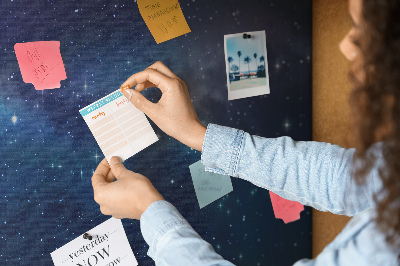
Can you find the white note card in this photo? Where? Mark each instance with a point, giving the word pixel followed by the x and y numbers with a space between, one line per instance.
pixel 118 126
pixel 108 247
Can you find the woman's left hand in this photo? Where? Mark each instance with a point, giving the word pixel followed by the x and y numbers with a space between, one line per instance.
pixel 127 197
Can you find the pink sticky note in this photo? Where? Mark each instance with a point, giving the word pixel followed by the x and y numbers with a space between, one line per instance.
pixel 288 211
pixel 41 64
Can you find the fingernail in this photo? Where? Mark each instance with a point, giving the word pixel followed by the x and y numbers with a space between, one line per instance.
pixel 115 160
pixel 125 88
pixel 128 93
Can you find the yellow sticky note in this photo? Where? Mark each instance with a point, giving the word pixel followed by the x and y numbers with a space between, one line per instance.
pixel 164 18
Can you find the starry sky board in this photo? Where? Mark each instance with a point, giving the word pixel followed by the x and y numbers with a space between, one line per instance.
pixel 48 154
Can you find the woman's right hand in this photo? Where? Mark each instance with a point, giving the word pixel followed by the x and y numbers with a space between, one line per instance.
pixel 173 113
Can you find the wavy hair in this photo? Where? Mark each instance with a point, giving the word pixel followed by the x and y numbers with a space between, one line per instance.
pixel 375 103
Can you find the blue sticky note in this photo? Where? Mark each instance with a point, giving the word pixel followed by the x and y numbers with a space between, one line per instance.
pixel 209 186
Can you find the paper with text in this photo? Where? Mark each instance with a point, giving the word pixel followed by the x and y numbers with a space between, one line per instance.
pixel 118 126
pixel 41 64
pixel 288 211
pixel 164 18
pixel 109 246
pixel 209 186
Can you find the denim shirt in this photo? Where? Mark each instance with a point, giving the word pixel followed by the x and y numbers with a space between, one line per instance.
pixel 314 174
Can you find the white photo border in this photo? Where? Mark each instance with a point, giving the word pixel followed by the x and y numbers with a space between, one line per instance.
pixel 247 92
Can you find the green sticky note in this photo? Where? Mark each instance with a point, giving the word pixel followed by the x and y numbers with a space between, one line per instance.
pixel 209 186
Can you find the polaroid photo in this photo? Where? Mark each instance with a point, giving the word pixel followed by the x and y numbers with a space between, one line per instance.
pixel 246 64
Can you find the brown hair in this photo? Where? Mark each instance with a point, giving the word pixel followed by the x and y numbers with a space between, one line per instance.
pixel 375 103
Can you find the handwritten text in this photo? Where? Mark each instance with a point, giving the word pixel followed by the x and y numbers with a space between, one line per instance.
pixel 100 114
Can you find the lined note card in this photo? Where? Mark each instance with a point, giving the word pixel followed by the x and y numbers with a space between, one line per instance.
pixel 118 126
pixel 108 246
pixel 41 64
pixel 164 18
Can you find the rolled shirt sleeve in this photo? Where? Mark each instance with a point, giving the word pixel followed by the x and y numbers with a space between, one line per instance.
pixel 171 239
pixel 313 173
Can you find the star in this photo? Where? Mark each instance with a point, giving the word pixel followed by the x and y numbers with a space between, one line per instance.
pixel 85 86
pixel 286 125
pixel 14 119
pixel 96 156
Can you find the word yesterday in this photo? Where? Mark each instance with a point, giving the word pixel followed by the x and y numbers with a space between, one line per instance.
pixel 89 246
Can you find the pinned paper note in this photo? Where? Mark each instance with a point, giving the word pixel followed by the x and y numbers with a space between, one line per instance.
pixel 246 64
pixel 164 18
pixel 118 126
pixel 108 246
pixel 288 211
pixel 41 64
pixel 209 186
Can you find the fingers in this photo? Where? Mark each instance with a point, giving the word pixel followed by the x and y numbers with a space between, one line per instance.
pixel 143 86
pixel 99 176
pixel 117 167
pixel 139 101
pixel 157 66
pixel 159 80
pixel 160 67
pixel 110 177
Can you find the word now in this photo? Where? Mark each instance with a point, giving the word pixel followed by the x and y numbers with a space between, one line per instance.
pixel 94 258
pixel 169 24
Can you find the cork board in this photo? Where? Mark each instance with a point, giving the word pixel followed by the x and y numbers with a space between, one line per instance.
pixel 331 89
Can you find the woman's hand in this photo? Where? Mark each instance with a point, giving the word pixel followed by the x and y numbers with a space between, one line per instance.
pixel 174 112
pixel 127 197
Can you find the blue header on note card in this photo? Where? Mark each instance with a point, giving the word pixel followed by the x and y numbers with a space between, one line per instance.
pixel 100 103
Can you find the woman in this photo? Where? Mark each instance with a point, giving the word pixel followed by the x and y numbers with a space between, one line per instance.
pixel 316 174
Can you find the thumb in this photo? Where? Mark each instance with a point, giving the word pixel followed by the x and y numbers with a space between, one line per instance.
pixel 117 167
pixel 138 100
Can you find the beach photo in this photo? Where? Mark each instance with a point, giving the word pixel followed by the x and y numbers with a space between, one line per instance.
pixel 246 64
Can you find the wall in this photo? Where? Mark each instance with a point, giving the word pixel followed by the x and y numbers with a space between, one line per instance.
pixel 331 88
pixel 46 193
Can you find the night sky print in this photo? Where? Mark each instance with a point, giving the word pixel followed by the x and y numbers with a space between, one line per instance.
pixel 48 153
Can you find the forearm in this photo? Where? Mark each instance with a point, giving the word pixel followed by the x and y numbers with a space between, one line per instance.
pixel 172 241
pixel 312 173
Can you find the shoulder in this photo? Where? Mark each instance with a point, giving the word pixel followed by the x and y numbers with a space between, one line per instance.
pixel 362 241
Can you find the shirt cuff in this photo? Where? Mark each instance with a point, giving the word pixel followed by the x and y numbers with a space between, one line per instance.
pixel 221 149
pixel 159 218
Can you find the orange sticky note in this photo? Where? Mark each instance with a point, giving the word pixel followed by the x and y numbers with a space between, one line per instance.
pixel 164 18
pixel 41 64
pixel 288 211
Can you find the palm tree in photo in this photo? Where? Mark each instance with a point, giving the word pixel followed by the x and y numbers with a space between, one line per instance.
pixel 247 60
pixel 262 59
pixel 230 60
pixel 239 54
pixel 255 60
